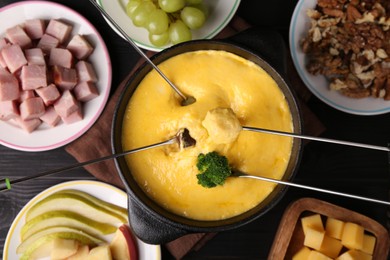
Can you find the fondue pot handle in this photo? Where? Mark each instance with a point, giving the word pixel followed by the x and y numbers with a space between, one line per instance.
pixel 150 228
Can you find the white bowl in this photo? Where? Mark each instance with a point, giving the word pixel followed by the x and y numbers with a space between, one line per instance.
pixel 46 138
pixel 220 14
pixel 319 85
pixel 97 189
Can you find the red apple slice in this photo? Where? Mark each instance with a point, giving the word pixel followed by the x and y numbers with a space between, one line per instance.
pixel 123 246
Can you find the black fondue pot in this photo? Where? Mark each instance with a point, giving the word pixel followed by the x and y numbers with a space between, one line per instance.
pixel 152 223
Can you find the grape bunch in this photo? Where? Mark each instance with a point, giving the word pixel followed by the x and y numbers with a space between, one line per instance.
pixel 167 20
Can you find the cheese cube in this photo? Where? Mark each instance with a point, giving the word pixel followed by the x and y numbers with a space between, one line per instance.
pixel 315 255
pixel 331 246
pixel 334 227
pixel 313 221
pixel 302 254
pixel 314 238
pixel 368 244
pixel 354 255
pixel 352 237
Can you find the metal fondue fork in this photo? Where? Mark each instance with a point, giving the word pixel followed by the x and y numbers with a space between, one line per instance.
pixel 186 100
pixel 185 140
pixel 306 187
pixel 313 138
pixel 182 138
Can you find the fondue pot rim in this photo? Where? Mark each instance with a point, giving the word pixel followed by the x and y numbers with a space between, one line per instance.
pixel 151 208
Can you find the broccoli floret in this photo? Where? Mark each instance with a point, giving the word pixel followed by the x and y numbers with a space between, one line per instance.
pixel 213 169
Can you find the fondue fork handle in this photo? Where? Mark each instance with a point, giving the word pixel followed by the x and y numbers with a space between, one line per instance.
pixel 5 184
pixel 321 139
pixel 129 40
pixel 243 175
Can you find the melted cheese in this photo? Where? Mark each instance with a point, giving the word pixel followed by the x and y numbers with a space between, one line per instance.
pixel 215 79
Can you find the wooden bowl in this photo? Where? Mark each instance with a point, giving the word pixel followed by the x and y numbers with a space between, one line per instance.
pixel 289 236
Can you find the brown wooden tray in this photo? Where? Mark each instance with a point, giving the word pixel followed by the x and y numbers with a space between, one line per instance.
pixel 289 236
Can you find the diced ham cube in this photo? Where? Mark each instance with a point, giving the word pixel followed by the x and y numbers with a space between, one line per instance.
pixel 2 62
pixel 26 94
pixel 64 78
pixel 35 56
pixel 33 77
pixel 85 71
pixel 13 57
pixel 59 30
pixel 3 43
pixel 9 86
pixel 47 42
pixel 32 108
pixel 85 91
pixel 80 47
pixel 8 110
pixel 49 94
pixel 35 28
pixel 28 125
pixel 74 117
pixel 18 36
pixel 51 117
pixel 66 104
pixel 61 57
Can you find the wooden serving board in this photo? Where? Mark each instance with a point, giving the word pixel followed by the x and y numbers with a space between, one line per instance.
pixel 289 236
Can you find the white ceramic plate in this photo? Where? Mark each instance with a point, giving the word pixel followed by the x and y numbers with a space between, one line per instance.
pixel 100 190
pixel 46 138
pixel 220 13
pixel 319 85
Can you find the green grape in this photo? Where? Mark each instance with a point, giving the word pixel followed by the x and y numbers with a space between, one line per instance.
pixel 141 13
pixel 158 22
pixel 159 39
pixel 131 6
pixel 203 8
pixel 192 17
pixel 171 6
pixel 194 2
pixel 179 32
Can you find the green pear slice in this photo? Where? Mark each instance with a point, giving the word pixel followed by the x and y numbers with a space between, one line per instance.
pixel 74 203
pixel 28 246
pixel 40 252
pixel 67 219
pixel 104 204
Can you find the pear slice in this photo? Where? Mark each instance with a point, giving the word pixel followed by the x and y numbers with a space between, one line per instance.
pixel 63 248
pixel 57 232
pixel 101 252
pixel 74 203
pixel 42 246
pixel 68 219
pixel 109 206
pixel 81 254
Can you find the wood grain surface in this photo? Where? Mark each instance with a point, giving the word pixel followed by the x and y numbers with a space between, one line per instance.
pixel 353 170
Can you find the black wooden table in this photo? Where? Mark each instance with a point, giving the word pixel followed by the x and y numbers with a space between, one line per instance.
pixel 354 170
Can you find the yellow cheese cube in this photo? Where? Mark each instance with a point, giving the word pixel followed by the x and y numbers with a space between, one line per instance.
pixel 368 244
pixel 315 255
pixel 313 221
pixel 313 238
pixel 302 254
pixel 334 227
pixel 352 237
pixel 354 255
pixel 331 246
